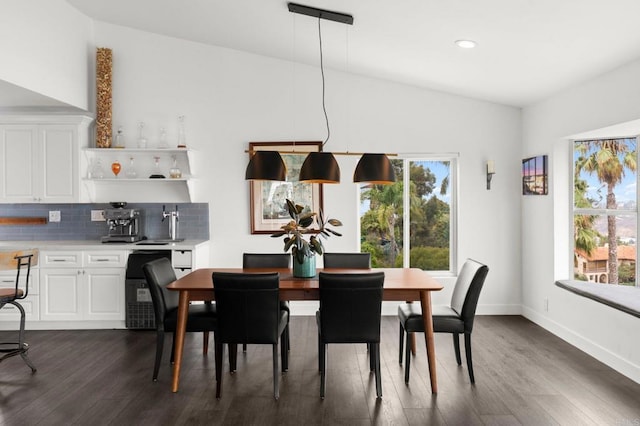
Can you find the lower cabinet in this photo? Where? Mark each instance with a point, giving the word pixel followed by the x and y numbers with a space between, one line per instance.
pixel 82 292
pixel 30 304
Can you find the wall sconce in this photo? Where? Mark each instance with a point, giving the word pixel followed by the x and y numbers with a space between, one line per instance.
pixel 491 170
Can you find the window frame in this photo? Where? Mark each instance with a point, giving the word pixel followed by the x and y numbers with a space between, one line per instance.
pixel 453 159
pixel 573 211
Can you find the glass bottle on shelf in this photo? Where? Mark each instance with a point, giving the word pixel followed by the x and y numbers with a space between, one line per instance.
pixel 156 174
pixel 131 171
pixel 142 141
pixel 163 139
pixel 119 138
pixel 182 136
pixel 174 172
pixel 95 170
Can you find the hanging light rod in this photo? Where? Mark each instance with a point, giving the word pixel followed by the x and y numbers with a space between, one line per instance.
pixel 250 151
pixel 321 13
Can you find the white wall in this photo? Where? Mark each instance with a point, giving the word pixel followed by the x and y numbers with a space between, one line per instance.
pixel 230 98
pixel 601 331
pixel 45 49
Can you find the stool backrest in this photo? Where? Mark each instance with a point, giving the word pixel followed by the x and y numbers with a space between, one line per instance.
pixel 20 261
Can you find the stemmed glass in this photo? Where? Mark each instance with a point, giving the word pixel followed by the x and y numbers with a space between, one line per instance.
pixel 115 168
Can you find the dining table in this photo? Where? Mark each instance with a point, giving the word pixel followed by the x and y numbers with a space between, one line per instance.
pixel 400 284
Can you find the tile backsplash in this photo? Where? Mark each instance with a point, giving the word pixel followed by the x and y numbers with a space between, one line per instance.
pixel 75 221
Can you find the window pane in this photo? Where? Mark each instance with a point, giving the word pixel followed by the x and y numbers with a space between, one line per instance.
pixel 381 221
pixel 430 224
pixel 593 258
pixel 605 174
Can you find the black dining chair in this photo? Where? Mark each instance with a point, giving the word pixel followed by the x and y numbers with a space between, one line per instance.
pixel 201 318
pixel 347 260
pixel 21 261
pixel 457 318
pixel 249 312
pixel 350 312
pixel 270 260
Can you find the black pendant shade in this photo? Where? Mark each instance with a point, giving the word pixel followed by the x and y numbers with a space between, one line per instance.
pixel 266 165
pixel 320 167
pixel 374 168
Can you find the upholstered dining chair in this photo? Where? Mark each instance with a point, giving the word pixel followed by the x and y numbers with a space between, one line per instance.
pixel 249 312
pixel 21 261
pixel 347 260
pixel 350 312
pixel 270 260
pixel 457 318
pixel 201 317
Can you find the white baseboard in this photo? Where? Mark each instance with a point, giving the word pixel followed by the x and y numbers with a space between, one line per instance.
pixel 600 353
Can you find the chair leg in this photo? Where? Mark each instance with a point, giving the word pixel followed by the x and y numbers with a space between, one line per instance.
pixel 244 347
pixel 323 369
pixel 320 355
pixel 276 381
pixel 288 337
pixel 173 348
pixel 159 347
pixel 372 357
pixel 375 348
pixel 456 346
pixel 233 357
pixel 467 350
pixel 22 346
pixel 219 349
pixel 401 343
pixel 284 353
pixel 407 362
pixel 205 342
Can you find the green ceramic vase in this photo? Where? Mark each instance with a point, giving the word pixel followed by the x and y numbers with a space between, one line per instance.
pixel 306 269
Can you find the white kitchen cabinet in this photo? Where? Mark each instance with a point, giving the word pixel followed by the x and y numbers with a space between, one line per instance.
pixel 40 161
pixel 104 186
pixel 82 285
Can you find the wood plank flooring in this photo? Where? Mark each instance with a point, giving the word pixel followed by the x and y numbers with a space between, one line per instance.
pixel 524 375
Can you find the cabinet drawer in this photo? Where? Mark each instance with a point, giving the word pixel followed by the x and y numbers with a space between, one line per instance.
pixel 31 309
pixel 61 259
pixel 9 281
pixel 105 258
pixel 181 258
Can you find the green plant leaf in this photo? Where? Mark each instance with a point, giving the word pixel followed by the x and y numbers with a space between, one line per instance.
pixel 337 234
pixel 335 222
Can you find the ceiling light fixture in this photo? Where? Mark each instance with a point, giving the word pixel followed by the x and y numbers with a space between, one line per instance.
pixel 466 44
pixel 322 167
pixel 266 165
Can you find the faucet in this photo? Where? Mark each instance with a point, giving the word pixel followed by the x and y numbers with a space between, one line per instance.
pixel 173 221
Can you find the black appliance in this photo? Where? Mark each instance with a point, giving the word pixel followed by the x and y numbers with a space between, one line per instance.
pixel 139 306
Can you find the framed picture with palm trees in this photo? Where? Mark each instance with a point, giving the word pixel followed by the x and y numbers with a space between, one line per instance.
pixel 268 198
pixel 534 176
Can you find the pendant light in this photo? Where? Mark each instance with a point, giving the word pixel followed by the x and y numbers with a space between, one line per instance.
pixel 321 167
pixel 374 168
pixel 266 165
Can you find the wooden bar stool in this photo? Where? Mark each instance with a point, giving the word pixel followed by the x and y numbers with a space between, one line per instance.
pixel 21 261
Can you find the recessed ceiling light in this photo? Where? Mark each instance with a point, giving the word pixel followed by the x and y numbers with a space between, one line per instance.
pixel 466 44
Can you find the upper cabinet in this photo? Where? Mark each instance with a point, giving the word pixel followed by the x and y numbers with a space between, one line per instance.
pixel 39 158
pixel 138 175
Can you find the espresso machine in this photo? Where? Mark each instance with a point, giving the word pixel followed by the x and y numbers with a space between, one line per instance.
pixel 124 225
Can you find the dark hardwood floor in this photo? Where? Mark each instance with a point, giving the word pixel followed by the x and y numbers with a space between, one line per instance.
pixel 524 375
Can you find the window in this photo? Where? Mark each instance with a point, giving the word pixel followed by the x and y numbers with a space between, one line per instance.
pixel 411 223
pixel 605 210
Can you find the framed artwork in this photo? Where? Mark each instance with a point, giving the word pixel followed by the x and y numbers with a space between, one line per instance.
pixel 267 198
pixel 534 176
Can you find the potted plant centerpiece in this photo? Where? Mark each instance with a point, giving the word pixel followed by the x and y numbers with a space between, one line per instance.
pixel 303 251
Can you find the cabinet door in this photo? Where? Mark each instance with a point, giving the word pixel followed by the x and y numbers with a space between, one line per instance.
pixel 19 157
pixel 60 292
pixel 58 150
pixel 105 293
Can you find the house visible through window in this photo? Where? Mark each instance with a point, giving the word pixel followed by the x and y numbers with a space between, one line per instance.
pixel 411 223
pixel 605 219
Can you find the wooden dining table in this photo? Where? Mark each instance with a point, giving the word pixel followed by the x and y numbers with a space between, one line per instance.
pixel 400 284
